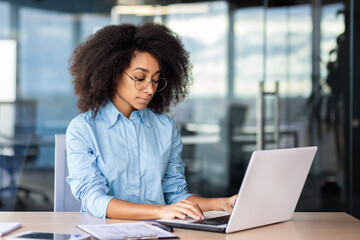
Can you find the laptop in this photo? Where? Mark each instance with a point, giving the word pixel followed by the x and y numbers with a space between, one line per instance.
pixel 269 193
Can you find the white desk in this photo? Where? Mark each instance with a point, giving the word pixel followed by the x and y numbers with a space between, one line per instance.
pixel 303 226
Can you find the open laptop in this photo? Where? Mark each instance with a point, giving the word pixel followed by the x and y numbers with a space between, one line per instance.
pixel 269 193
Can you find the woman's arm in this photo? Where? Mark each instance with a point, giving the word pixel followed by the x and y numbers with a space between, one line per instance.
pixel 85 178
pixel 208 204
pixel 192 207
pixel 127 210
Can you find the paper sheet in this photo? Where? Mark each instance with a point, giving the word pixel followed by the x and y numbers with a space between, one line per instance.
pixel 122 230
pixel 6 227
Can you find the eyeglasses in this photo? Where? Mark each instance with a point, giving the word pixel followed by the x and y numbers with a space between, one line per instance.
pixel 140 83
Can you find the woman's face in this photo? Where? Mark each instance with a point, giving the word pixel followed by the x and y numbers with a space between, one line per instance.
pixel 128 98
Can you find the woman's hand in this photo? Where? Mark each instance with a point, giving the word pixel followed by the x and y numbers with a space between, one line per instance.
pixel 228 203
pixel 180 210
pixel 209 204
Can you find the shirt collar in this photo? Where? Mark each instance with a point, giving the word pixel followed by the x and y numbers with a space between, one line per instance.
pixel 110 114
pixel 144 114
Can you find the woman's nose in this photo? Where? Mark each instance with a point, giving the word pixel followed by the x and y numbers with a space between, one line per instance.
pixel 150 88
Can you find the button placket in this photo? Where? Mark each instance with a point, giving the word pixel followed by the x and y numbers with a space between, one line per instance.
pixel 134 162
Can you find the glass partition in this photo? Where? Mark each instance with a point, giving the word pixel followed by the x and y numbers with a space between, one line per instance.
pixel 201 118
pixel 299 52
pixel 44 103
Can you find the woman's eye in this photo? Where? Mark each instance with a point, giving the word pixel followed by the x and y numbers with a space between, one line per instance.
pixel 155 81
pixel 139 79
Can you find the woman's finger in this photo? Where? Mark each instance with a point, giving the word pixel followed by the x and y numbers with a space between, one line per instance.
pixel 191 207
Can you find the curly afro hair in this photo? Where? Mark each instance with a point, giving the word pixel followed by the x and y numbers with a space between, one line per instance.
pixel 97 63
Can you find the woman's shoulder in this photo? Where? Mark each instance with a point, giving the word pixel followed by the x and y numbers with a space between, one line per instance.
pixel 81 120
pixel 86 117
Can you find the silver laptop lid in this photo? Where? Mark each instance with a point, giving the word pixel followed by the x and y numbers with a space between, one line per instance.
pixel 271 187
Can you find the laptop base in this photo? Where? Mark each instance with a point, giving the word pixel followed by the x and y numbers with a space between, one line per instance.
pixel 195 227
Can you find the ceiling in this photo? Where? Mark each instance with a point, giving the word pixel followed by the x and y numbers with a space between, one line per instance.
pixel 104 6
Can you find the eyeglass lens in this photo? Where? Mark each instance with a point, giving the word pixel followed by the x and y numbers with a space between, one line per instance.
pixel 159 84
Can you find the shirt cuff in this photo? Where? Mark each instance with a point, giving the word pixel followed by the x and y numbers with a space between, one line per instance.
pixel 180 198
pixel 100 208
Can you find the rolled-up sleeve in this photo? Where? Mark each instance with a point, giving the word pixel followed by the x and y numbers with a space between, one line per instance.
pixel 174 182
pixel 86 181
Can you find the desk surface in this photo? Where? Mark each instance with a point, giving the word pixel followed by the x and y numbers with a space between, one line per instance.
pixel 317 226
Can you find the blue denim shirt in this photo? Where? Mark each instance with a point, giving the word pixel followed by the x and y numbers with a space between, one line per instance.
pixel 136 159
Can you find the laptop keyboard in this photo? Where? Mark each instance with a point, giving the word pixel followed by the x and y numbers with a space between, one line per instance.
pixel 215 221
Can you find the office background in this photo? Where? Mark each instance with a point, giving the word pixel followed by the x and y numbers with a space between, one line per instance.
pixel 299 58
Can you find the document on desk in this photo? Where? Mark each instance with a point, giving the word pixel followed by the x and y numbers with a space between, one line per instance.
pixel 123 230
pixel 6 227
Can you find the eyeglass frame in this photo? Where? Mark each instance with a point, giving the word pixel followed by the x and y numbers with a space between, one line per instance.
pixel 148 83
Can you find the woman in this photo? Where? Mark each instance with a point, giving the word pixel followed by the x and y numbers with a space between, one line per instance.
pixel 123 153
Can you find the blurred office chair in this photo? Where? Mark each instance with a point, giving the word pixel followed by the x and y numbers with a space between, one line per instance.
pixel 10 166
pixel 19 147
pixel 64 201
pixel 13 153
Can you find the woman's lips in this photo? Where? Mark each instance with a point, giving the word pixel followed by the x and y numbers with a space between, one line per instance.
pixel 144 100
